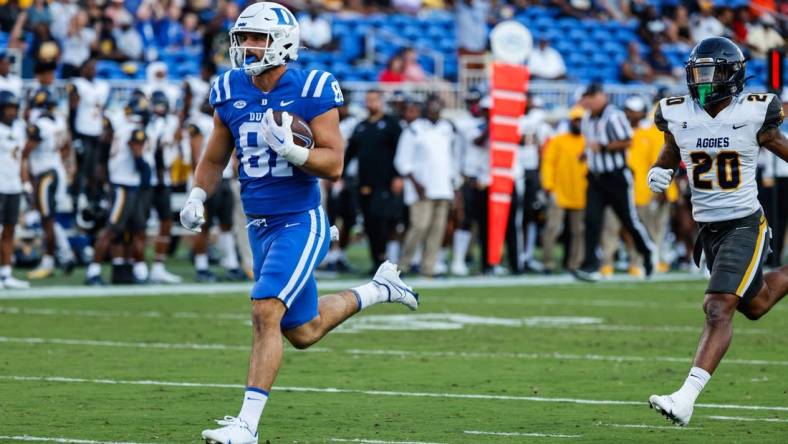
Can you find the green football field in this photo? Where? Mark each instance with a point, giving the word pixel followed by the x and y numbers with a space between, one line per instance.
pixel 557 362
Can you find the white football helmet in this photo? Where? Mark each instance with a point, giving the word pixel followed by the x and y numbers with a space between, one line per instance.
pixel 281 27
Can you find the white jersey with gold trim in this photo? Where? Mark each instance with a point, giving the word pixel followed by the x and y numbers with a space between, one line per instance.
pixel 52 129
pixel 202 123
pixel 12 141
pixel 720 153
pixel 122 167
pixel 93 96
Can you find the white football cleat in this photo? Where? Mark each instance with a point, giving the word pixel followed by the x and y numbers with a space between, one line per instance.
pixel 675 412
pixel 162 276
pixel 13 283
pixel 235 431
pixel 459 269
pixel 387 277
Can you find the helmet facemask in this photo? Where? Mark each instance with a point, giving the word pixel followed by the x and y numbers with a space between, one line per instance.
pixel 710 81
pixel 277 51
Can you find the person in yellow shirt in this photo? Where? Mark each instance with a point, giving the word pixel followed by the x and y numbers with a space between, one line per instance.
pixel 564 181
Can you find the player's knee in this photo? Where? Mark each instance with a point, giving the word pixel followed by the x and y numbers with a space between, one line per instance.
pixel 267 314
pixel 303 337
pixel 719 308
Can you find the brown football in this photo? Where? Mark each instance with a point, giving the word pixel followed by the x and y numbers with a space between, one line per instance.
pixel 302 133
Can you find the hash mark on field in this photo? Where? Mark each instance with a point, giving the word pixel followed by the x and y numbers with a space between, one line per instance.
pixel 63 440
pixel 535 435
pixel 377 352
pixel 377 441
pixel 737 418
pixel 377 392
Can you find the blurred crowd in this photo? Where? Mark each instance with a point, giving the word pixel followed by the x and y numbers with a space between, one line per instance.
pixel 133 33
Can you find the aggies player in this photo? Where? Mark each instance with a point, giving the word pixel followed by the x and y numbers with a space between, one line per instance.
pixel 129 177
pixel 219 206
pixel 12 141
pixel 717 131
pixel 44 161
pixel 164 149
pixel 288 229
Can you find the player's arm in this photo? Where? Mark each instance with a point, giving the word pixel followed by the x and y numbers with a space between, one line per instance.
pixel 209 169
pixel 326 159
pixel 195 143
pixel 33 138
pixel 661 174
pixel 770 136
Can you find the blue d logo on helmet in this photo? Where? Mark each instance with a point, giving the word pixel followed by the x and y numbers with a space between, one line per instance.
pixel 285 17
pixel 279 26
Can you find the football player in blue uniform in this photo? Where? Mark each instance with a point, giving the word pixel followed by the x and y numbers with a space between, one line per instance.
pixel 288 229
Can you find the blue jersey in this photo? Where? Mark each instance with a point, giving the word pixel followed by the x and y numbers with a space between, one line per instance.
pixel 270 185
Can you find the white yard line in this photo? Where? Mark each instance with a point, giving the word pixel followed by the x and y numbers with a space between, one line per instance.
pixel 532 435
pixel 378 352
pixel 737 418
pixel 59 439
pixel 480 396
pixel 70 292
pixel 377 441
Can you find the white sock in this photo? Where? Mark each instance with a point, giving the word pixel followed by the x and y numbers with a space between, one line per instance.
pixel 63 247
pixel 201 262
pixel 47 262
pixel 5 271
pixel 118 261
pixel 226 244
pixel 141 271
pixel 94 269
pixel 416 261
pixel 332 256
pixel 369 294
pixel 693 385
pixel 252 408
pixel 460 244
pixel 392 251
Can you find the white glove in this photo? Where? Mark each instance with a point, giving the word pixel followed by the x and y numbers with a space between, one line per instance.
pixel 193 212
pixel 280 138
pixel 659 179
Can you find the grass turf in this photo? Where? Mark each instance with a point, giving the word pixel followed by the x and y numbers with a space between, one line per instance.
pixel 400 376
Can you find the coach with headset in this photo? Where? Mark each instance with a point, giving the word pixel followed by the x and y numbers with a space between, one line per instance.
pixel 608 135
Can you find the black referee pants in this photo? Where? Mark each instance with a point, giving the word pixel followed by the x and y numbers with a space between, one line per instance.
pixel 614 189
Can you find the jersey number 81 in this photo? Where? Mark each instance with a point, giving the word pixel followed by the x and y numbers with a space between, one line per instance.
pixel 255 154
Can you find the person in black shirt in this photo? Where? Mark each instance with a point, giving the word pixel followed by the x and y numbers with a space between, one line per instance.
pixel 373 144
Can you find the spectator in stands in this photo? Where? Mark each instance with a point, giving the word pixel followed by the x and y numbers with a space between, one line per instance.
pixel 62 12
pixel 128 38
pixel 678 31
pixel 9 14
pixel 704 24
pixel 9 82
pixel 564 181
pixel 395 70
pixel 192 33
pixel 663 69
pixel 546 62
pixel 373 144
pixel 115 9
pixel 579 9
pixel 77 45
pixel 764 35
pixel 425 158
pixel 741 23
pixel 411 67
pixel 39 13
pixel 315 28
pixel 635 68
pixel 169 30
pixel 471 17
pixel 652 27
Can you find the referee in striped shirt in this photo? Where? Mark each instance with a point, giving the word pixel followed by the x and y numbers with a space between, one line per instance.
pixel 608 135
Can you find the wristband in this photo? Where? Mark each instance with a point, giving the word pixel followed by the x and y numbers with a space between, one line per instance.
pixel 297 155
pixel 198 193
